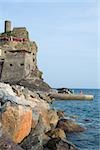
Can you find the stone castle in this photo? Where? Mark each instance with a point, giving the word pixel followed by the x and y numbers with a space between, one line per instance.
pixel 18 59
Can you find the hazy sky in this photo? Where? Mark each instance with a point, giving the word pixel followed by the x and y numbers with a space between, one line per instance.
pixel 67 38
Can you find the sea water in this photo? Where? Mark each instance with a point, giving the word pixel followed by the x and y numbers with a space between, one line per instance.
pixel 87 113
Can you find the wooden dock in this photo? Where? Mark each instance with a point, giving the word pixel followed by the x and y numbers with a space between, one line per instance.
pixel 63 96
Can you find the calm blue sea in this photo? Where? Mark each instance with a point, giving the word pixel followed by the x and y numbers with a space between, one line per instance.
pixel 88 114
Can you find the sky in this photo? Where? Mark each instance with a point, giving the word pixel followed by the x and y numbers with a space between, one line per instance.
pixel 67 35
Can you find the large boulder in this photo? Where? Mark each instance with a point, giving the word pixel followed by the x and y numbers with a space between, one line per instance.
pixel 39 104
pixel 69 126
pixel 36 138
pixel 7 144
pixel 60 114
pixel 59 144
pixel 41 109
pixel 56 133
pixel 17 121
pixel 53 117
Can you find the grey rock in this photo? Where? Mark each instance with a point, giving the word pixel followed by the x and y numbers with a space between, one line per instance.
pixel 34 139
pixel 58 144
pixel 7 144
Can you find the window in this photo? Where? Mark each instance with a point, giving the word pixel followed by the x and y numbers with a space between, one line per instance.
pixel 22 64
pixel 11 64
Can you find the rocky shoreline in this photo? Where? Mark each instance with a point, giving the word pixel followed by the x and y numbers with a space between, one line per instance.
pixel 28 122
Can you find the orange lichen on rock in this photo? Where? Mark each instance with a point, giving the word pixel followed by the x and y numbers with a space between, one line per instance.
pixel 17 121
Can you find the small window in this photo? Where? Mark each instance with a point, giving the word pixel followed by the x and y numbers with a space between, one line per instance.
pixel 11 64
pixel 5 52
pixel 22 64
pixel 33 59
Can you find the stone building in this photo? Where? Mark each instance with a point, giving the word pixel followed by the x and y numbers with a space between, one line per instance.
pixel 18 59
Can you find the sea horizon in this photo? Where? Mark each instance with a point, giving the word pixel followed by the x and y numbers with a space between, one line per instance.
pixel 85 88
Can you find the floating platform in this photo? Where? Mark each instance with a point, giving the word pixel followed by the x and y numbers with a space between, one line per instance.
pixel 63 96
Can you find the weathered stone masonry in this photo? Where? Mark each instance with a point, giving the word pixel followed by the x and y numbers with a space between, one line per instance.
pixel 17 55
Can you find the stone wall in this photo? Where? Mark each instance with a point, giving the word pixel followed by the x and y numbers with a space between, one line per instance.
pixel 33 46
pixel 20 32
pixel 13 68
pixel 30 64
pixel 18 65
pixel 20 56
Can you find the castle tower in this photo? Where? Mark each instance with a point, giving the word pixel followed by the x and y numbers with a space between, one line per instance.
pixel 7 26
pixel 18 53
